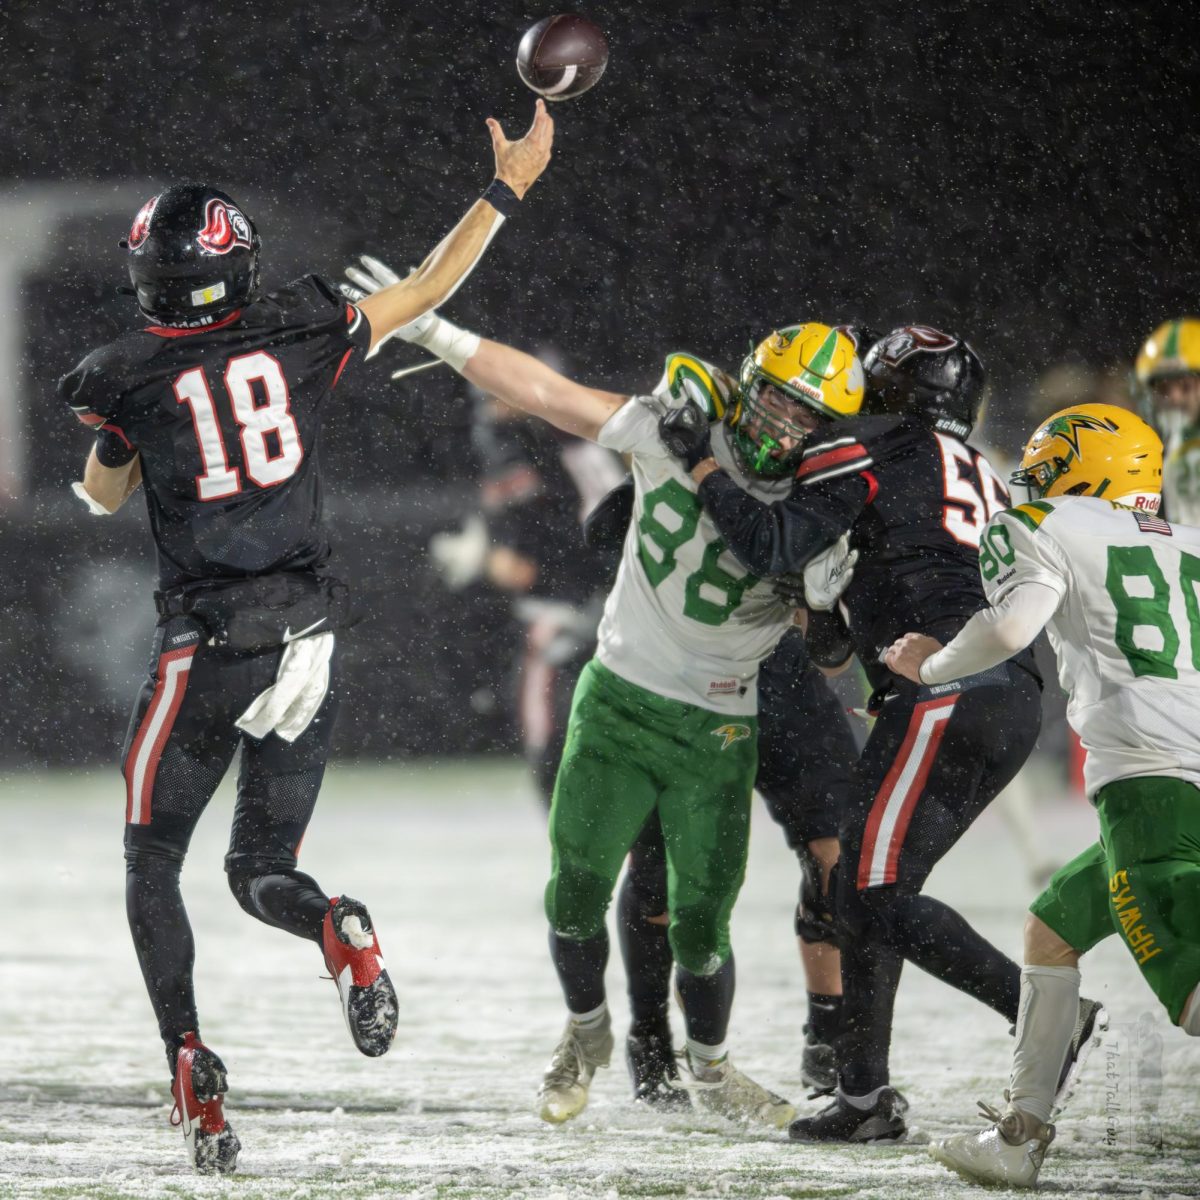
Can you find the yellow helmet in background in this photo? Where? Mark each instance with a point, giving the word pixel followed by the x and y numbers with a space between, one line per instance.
pixel 1092 450
pixel 1172 349
pixel 813 365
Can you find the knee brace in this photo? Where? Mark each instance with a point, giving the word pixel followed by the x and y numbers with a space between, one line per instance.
pixel 816 911
pixel 576 902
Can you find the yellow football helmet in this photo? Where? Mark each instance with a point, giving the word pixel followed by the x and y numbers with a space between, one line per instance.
pixel 1092 450
pixel 1172 349
pixel 812 365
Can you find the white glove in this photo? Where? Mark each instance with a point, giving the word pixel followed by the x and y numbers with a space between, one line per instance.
pixel 375 278
pixel 461 556
pixel 372 277
pixel 828 575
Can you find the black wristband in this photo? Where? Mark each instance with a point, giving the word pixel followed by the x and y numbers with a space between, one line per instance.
pixel 501 197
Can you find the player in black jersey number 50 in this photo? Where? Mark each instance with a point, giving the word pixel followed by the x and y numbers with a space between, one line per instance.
pixel 215 407
pixel 914 498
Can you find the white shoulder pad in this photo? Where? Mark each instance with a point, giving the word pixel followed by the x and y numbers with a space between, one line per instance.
pixel 688 378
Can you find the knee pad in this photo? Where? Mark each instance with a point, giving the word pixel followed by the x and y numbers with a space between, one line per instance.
pixel 816 911
pixel 244 871
pixel 699 938
pixel 576 902
pixel 155 858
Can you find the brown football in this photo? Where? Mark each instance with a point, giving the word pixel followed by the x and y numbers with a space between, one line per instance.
pixel 561 57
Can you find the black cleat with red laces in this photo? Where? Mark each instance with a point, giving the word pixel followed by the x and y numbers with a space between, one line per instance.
pixel 355 961
pixel 197 1088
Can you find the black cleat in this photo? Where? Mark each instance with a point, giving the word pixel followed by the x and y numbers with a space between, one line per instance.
pixel 842 1122
pixel 1091 1020
pixel 651 1063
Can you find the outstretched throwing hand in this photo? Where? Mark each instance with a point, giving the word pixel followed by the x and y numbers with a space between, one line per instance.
pixel 519 163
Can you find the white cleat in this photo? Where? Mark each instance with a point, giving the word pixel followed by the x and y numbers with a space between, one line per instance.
pixel 564 1090
pixel 724 1090
pixel 1010 1151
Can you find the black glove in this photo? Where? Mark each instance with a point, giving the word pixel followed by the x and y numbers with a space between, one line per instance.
pixel 685 432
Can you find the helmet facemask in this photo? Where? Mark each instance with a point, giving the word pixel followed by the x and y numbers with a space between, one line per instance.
pixel 790 384
pixel 770 428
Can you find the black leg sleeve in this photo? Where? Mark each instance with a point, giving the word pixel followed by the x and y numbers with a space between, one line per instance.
pixel 162 939
pixel 645 948
pixel 707 1002
pixel 286 899
pixel 580 966
pixel 939 940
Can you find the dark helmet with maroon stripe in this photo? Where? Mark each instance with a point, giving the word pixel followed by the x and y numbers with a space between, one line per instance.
pixel 918 369
pixel 193 256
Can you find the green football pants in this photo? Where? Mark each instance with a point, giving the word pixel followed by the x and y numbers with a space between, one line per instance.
pixel 629 751
pixel 1141 880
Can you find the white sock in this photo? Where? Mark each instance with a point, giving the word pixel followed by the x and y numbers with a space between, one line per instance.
pixel 590 1020
pixel 702 1058
pixel 1189 1021
pixel 1045 1023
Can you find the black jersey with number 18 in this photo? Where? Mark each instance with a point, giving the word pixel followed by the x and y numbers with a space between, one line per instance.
pixel 227 420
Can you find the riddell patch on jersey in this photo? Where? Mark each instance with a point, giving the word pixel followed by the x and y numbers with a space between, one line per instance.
pixel 723 687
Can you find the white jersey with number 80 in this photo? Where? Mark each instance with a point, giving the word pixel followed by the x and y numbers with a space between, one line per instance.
pixel 1126 632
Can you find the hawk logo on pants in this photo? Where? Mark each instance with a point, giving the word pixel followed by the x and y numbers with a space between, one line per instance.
pixel 731 734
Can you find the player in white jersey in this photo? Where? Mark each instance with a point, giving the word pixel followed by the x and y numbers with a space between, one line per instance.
pixel 664 717
pixel 1115 586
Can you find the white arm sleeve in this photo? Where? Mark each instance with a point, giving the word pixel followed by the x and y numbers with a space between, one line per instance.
pixel 994 633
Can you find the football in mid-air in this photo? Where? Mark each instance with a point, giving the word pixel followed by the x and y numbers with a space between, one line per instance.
pixel 561 57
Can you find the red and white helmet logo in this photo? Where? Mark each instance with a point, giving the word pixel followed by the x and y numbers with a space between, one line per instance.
pixel 141 223
pixel 225 229
pixel 904 343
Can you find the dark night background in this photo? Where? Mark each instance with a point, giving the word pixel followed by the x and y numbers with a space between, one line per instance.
pixel 1022 176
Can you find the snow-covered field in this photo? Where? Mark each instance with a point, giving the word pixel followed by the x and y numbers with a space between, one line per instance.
pixel 452 859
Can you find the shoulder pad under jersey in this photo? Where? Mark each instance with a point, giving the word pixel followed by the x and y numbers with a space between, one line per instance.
pixel 688 378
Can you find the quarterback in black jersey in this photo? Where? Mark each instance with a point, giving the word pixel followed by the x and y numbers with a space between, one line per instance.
pixel 215 407
pixel 914 498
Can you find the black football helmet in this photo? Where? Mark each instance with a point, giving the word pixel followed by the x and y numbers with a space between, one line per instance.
pixel 863 337
pixel 193 256
pixel 918 369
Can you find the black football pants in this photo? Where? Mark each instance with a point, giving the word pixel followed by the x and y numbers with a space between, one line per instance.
pixel 180 743
pixel 935 759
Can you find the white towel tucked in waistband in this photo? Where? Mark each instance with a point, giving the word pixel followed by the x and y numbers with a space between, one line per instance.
pixel 288 706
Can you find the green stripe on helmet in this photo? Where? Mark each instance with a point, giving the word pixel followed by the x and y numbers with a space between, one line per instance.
pixel 814 373
pixel 1171 345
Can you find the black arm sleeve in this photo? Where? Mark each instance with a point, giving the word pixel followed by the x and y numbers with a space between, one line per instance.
pixel 828 639
pixel 113 448
pixel 779 538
